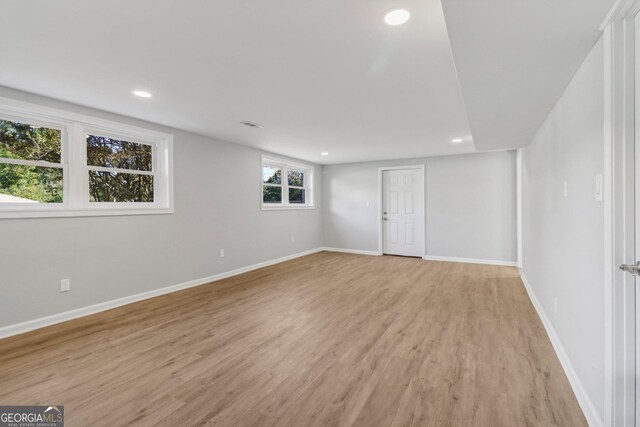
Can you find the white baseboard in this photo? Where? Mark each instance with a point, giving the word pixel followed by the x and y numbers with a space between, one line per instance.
pixel 588 408
pixel 428 257
pixel 471 260
pixel 352 251
pixel 31 325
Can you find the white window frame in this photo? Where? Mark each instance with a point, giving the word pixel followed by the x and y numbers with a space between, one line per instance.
pixel 74 130
pixel 286 165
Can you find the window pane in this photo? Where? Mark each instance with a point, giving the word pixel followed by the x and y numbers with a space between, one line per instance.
pixel 30 184
pixel 120 187
pixel 116 153
pixel 27 142
pixel 296 195
pixel 271 194
pixel 271 175
pixel 296 178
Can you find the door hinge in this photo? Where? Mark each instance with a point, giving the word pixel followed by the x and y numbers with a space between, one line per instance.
pixel 634 269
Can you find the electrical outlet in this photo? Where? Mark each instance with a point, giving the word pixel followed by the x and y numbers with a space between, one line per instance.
pixel 555 305
pixel 65 285
pixel 221 253
pixel 565 189
pixel 293 239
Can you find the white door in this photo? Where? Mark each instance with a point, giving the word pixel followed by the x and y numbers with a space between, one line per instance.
pixel 403 212
pixel 637 279
pixel 637 214
pixel 626 235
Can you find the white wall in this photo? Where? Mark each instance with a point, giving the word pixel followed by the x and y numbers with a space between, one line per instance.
pixel 217 205
pixel 470 205
pixel 563 237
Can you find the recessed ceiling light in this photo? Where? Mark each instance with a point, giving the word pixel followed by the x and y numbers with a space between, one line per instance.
pixel 397 17
pixel 142 93
pixel 457 140
pixel 324 153
pixel 252 125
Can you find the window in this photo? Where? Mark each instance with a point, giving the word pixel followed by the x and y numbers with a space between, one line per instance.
pixel 119 171
pixel 286 185
pixel 31 167
pixel 271 184
pixel 295 179
pixel 54 163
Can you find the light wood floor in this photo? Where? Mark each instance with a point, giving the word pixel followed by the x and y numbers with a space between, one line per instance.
pixel 327 339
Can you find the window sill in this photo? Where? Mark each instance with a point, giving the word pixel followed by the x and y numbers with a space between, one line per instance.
pixel 70 213
pixel 286 208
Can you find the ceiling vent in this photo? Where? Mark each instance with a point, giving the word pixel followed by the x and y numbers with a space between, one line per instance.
pixel 252 125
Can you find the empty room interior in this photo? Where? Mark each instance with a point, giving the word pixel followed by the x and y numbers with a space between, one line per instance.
pixel 320 213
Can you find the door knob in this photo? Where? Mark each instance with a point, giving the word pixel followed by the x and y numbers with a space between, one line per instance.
pixel 633 269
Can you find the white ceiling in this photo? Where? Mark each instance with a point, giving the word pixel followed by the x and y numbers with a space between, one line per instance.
pixel 515 58
pixel 318 75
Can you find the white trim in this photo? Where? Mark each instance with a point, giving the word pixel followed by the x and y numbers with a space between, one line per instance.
pixel 633 243
pixel 72 213
pixel 286 208
pixel 588 408
pixel 519 205
pixel 30 325
pixel 420 167
pixel 609 347
pixel 608 231
pixel 428 257
pixel 351 251
pixel 470 260
pixel 620 10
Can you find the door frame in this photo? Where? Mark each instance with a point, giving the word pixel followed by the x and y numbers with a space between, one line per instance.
pixel 621 111
pixel 421 169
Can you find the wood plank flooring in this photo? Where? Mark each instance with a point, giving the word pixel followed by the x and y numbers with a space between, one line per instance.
pixel 327 339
